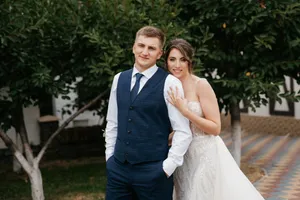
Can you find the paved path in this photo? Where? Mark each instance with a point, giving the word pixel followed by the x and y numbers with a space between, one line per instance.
pixel 280 157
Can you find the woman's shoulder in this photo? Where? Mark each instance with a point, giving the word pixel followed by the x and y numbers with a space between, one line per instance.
pixel 201 82
pixel 203 87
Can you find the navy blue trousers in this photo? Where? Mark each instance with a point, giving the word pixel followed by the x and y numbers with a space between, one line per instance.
pixel 144 181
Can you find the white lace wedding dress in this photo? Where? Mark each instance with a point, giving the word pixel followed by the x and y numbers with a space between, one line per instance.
pixel 209 172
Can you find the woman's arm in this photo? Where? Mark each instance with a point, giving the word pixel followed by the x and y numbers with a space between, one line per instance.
pixel 210 123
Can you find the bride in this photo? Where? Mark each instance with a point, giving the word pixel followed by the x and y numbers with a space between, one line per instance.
pixel 209 172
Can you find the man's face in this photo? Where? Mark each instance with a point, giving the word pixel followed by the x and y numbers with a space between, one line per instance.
pixel 146 50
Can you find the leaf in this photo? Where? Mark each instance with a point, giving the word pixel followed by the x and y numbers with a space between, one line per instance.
pixel 65 97
pixel 295 43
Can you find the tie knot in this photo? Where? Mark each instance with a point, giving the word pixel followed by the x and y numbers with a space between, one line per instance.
pixel 138 76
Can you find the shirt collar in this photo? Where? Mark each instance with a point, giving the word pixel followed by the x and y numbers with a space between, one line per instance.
pixel 148 73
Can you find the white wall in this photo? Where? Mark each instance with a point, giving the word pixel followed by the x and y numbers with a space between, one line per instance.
pixel 86 118
pixel 31 115
pixel 12 134
pixel 297 104
pixel 265 111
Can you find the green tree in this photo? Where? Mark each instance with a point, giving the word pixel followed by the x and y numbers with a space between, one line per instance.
pixel 245 48
pixel 46 45
pixel 36 55
pixel 108 33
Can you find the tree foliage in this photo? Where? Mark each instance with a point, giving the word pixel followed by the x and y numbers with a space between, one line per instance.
pixel 36 53
pixel 246 47
pixel 46 45
pixel 108 34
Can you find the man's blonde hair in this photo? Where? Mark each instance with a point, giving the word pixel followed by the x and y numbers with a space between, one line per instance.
pixel 151 31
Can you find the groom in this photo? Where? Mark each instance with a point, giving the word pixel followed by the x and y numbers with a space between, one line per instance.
pixel 139 119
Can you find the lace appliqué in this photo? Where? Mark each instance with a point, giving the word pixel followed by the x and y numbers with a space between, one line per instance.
pixel 195 107
pixel 195 178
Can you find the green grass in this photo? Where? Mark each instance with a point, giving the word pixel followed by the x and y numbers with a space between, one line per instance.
pixel 61 182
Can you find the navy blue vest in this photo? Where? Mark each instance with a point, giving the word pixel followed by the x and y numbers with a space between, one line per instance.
pixel 143 125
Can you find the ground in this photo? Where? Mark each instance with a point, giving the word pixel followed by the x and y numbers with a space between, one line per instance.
pixel 253 172
pixel 81 179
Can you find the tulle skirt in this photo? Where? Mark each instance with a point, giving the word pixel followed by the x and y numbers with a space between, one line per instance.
pixel 209 172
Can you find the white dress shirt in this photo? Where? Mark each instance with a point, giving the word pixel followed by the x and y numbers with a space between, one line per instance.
pixel 180 124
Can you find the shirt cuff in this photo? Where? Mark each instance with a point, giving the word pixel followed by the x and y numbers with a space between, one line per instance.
pixel 107 156
pixel 169 166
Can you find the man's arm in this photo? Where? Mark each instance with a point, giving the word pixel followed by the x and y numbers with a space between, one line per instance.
pixel 182 136
pixel 111 130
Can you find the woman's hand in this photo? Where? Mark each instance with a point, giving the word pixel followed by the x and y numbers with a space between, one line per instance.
pixel 176 100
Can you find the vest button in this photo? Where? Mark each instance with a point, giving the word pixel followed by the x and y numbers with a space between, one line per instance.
pixel 131 108
pixel 129 120
pixel 128 132
pixel 127 143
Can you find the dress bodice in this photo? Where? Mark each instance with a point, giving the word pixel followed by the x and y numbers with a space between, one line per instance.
pixel 195 107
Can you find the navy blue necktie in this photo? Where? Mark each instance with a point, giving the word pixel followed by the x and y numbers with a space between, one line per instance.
pixel 136 86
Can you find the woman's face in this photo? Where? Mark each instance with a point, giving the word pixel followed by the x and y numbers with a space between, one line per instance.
pixel 178 65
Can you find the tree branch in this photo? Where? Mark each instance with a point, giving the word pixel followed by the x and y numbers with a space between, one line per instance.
pixel 16 152
pixel 8 142
pixel 24 163
pixel 41 153
pixel 21 129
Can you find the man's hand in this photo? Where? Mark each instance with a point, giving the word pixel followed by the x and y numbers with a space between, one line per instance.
pixel 170 138
pixel 167 175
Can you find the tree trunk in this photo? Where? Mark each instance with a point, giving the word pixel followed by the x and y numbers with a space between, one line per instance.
pixel 17 167
pixel 37 191
pixel 236 132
